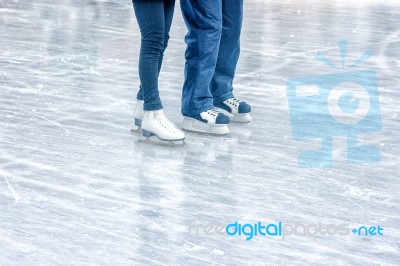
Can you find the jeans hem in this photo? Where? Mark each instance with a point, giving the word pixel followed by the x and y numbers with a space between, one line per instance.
pixel 152 107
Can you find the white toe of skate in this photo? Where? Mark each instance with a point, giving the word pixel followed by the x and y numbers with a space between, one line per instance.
pixel 241 118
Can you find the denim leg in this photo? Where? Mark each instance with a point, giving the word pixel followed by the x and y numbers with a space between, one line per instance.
pixel 169 6
pixel 229 49
pixel 203 18
pixel 151 20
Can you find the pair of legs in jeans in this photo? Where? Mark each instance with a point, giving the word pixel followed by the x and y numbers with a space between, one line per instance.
pixel 211 56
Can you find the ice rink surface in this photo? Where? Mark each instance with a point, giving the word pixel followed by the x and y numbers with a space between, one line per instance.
pixel 76 188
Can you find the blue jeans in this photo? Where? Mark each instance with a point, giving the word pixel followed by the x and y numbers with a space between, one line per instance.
pixel 154 19
pixel 213 47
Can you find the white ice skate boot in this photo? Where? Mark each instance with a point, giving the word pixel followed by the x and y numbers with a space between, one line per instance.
pixel 137 128
pixel 211 121
pixel 139 113
pixel 237 110
pixel 155 123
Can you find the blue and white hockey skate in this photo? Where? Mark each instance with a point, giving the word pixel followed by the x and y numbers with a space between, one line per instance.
pixel 211 122
pixel 237 110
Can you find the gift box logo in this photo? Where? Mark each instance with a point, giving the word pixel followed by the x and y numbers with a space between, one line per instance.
pixel 338 104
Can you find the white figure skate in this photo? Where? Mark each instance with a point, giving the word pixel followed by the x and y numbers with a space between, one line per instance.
pixel 156 128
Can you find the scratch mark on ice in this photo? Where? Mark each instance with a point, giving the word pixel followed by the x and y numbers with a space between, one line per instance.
pixel 54 123
pixel 189 190
pixel 15 195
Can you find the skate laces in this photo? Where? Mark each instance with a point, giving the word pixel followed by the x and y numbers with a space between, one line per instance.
pixel 234 101
pixel 214 112
pixel 165 122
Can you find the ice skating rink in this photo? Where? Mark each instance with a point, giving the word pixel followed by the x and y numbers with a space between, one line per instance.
pixel 76 188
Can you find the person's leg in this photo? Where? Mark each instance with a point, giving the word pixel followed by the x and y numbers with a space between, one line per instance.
pixel 150 17
pixel 229 49
pixel 169 6
pixel 203 19
pixel 228 55
pixel 154 18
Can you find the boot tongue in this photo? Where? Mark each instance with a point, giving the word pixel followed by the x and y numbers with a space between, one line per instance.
pixel 160 113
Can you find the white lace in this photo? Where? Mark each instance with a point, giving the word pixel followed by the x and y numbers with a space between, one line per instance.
pixel 165 122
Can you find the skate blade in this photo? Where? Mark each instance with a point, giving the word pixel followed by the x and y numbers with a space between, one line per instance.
pixel 136 130
pixel 193 125
pixel 154 140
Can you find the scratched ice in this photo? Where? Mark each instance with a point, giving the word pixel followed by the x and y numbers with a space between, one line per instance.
pixel 76 188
